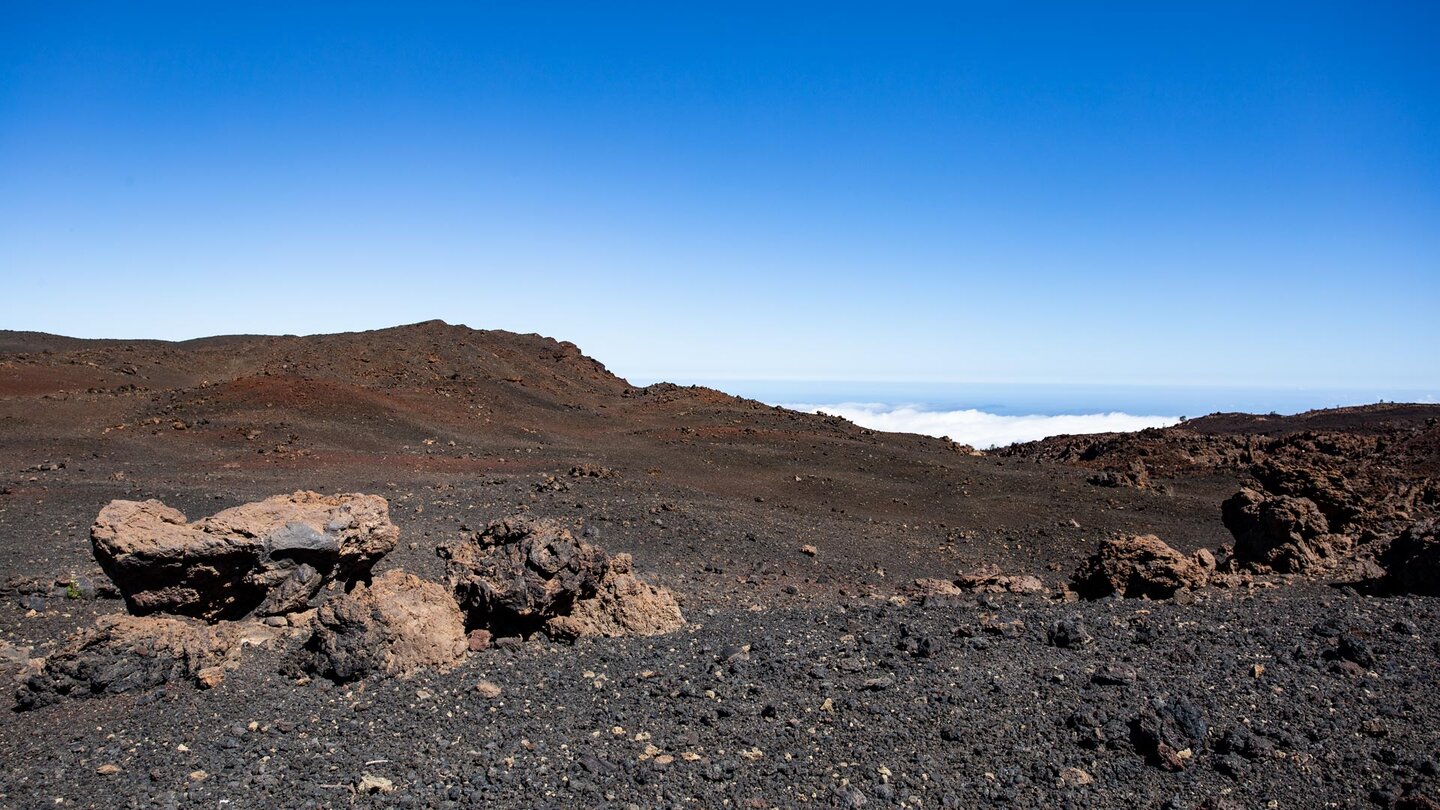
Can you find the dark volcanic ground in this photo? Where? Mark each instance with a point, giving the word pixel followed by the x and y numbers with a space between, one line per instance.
pixel 800 680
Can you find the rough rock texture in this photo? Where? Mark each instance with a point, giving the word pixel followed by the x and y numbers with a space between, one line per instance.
pixel 263 558
pixel 520 572
pixel 621 606
pixel 1169 732
pixel 524 575
pixel 1412 564
pixel 989 579
pixel 396 625
pixel 128 653
pixel 1134 476
pixel 1141 565
pixel 1281 533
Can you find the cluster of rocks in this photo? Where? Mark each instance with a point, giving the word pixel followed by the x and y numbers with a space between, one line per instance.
pixel 299 566
pixel 524 575
pixel 1327 508
pixel 985 579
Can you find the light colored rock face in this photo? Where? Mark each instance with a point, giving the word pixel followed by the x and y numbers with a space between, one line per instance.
pixel 129 653
pixel 264 558
pixel 622 606
pixel 1141 565
pixel 524 575
pixel 396 625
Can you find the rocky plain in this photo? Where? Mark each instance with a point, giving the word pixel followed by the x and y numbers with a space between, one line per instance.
pixel 432 566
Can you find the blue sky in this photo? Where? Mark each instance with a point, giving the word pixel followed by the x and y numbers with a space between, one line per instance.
pixel 1233 194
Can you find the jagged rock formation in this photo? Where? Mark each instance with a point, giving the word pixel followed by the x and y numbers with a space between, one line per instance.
pixel 1412 563
pixel 1281 533
pixel 396 625
pixel 1141 565
pixel 264 558
pixel 129 653
pixel 524 575
pixel 622 606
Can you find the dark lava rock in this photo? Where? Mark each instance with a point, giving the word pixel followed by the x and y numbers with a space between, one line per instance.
pixel 1169 732
pixel 1069 632
pixel 1412 564
pixel 130 653
pixel 524 575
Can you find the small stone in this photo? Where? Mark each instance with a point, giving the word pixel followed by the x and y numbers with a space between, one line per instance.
pixel 479 640
pixel 198 776
pixel 488 690
pixel 370 784
pixel 1075 777
pixel 1114 675
pixel 108 769
pixel 809 550
pixel 210 677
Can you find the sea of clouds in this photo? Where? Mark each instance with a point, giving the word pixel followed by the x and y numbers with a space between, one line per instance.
pixel 978 428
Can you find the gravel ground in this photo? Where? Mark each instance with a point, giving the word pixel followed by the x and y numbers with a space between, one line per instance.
pixel 957 703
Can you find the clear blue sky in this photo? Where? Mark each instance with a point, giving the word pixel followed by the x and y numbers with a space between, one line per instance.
pixel 1241 193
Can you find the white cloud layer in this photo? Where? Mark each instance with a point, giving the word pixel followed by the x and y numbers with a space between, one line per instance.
pixel 981 429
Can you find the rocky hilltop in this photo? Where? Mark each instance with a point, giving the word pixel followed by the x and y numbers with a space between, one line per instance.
pixel 439 566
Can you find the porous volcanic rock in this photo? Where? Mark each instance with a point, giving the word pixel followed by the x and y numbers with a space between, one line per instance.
pixel 622 606
pixel 1412 564
pixel 124 653
pixel 396 625
pixel 1141 565
pixel 1282 533
pixel 1169 732
pixel 264 558
pixel 1135 476
pixel 989 579
pixel 523 573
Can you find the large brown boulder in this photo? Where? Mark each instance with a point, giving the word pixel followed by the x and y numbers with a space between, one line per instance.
pixel 263 558
pixel 396 625
pixel 1141 565
pixel 526 575
pixel 1281 533
pixel 128 653
pixel 521 571
pixel 621 606
pixel 1412 564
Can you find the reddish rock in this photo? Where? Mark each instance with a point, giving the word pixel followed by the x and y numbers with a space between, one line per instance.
pixel 1281 533
pixel 264 558
pixel 1139 565
pixel 396 625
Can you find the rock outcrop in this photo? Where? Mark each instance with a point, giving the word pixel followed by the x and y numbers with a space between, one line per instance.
pixel 622 606
pixel 396 625
pixel 985 579
pixel 522 573
pixel 1141 565
pixel 1281 533
pixel 129 653
pixel 1412 564
pixel 264 558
